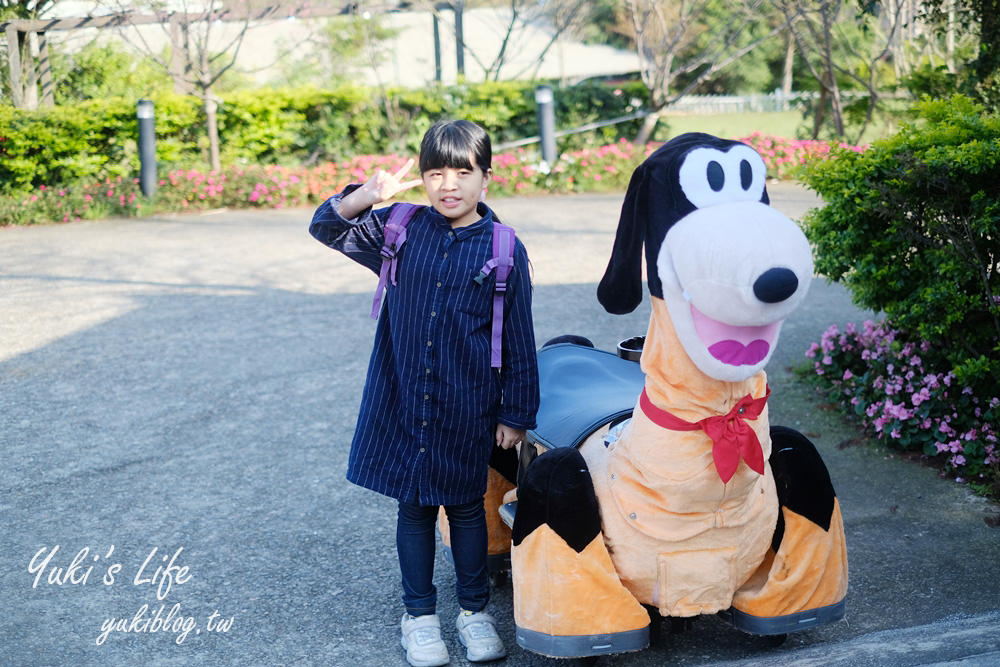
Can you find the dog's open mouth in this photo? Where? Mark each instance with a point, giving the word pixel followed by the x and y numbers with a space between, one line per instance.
pixel 734 345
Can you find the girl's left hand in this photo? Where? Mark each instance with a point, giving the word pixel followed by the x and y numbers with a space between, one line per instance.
pixel 507 437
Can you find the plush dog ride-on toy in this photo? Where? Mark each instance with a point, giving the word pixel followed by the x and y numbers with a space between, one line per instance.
pixel 661 484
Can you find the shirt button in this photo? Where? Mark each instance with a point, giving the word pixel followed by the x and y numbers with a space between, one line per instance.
pixel 429 343
pixel 424 424
pixel 446 255
pixel 433 313
pixel 423 449
pixel 427 397
pixel 427 370
pixel 439 283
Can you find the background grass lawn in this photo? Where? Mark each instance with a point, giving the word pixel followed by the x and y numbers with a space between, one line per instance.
pixel 789 124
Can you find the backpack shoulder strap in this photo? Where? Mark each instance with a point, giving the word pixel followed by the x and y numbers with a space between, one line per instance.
pixel 502 262
pixel 394 238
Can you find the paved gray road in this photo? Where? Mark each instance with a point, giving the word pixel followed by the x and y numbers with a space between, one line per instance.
pixel 177 396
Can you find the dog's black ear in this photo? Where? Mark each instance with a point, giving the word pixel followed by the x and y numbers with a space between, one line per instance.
pixel 620 290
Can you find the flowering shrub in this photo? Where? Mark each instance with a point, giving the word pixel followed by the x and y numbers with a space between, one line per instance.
pixel 116 197
pixel 602 169
pixel 899 392
pixel 784 157
pixel 912 228
pixel 606 168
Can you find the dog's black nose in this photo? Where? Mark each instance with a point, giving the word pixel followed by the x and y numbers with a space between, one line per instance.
pixel 775 285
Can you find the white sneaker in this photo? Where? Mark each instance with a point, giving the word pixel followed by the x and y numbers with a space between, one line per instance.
pixel 478 634
pixel 422 640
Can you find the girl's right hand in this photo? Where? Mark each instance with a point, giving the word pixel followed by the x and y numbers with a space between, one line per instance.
pixel 382 186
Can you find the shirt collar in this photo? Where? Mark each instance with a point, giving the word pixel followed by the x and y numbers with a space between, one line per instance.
pixel 483 223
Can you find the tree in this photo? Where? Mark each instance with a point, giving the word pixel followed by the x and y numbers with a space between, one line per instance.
pixel 103 69
pixel 682 43
pixel 202 49
pixel 840 48
pixel 24 9
pixel 982 17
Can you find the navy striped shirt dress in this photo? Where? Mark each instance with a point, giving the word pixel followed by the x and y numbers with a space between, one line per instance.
pixel 431 401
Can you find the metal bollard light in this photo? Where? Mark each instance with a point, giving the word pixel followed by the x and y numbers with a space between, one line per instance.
pixel 147 147
pixel 546 123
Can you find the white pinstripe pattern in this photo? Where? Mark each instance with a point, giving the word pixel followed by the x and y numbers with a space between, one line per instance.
pixel 428 412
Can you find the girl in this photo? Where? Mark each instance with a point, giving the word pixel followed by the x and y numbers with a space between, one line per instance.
pixel 433 407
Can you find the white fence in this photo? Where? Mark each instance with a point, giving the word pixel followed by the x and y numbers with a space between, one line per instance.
pixel 776 101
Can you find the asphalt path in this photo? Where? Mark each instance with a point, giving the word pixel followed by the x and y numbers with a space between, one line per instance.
pixel 177 397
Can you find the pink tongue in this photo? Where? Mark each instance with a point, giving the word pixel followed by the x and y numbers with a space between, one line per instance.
pixel 734 345
pixel 737 354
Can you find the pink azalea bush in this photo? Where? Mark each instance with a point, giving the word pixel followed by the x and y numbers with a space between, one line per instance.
pixel 904 399
pixel 784 157
pixel 606 168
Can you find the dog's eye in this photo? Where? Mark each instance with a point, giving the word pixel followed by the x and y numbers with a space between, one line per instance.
pixel 710 176
pixel 716 176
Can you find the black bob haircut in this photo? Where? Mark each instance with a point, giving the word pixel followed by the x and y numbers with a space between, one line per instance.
pixel 450 143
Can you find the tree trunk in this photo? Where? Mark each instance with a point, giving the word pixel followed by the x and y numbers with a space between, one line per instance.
pixel 30 74
pixel 786 79
pixel 646 130
pixel 950 39
pixel 988 62
pixel 838 110
pixel 820 114
pixel 179 58
pixel 212 125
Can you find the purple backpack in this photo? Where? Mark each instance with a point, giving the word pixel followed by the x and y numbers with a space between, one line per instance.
pixel 502 262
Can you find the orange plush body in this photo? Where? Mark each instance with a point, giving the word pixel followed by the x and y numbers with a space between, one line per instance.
pixel 696 505
pixel 683 541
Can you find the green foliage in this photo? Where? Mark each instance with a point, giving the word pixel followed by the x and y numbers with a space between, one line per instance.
pixel 911 227
pixel 95 139
pixel 932 81
pixel 60 145
pixel 90 140
pixel 103 70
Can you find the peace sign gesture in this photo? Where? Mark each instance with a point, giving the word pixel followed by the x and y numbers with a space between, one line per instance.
pixel 381 186
pixel 384 185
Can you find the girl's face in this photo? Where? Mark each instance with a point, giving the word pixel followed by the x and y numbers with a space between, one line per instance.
pixel 455 191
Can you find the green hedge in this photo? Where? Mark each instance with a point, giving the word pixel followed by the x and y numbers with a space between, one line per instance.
pixel 94 140
pixel 912 227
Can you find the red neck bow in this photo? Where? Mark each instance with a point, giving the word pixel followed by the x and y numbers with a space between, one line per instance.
pixel 731 436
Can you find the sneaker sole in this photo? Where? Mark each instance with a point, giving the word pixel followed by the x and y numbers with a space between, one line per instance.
pixel 486 657
pixel 422 663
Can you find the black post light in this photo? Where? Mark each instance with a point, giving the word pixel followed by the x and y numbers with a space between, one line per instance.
pixel 147 147
pixel 546 122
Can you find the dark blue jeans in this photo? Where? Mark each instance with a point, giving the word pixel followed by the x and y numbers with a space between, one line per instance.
pixel 415 545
